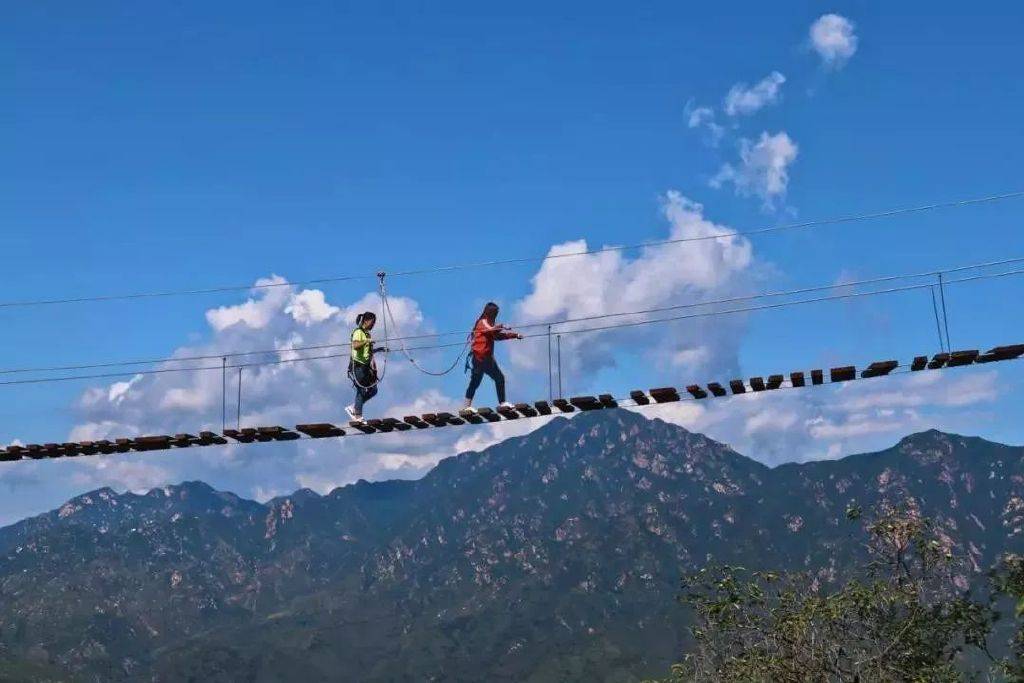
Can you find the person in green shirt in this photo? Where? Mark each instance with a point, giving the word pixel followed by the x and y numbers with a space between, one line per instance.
pixel 362 368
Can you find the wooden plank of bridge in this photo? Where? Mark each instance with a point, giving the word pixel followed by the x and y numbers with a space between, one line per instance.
pixel 362 427
pixel 844 373
pixel 757 383
pixel 182 440
pixel 275 433
pixel 35 451
pixel 71 449
pixel 696 391
pixel 960 358
pixel 773 382
pixel 285 434
pixel 238 436
pixel 207 438
pixel 156 442
pixel 608 401
pixel 639 397
pixel 379 425
pixel 319 430
pixel 879 368
pixel 563 405
pixel 920 363
pixel 397 424
pixel 432 419
pixel 1008 352
pixel 416 421
pixel 586 402
pixel 471 416
pixel 797 379
pixel 527 410
pixel 938 361
pixel 543 407
pixel 87 448
pixel 507 413
pixel 489 414
pixel 737 386
pixel 664 394
pixel 717 389
pixel 817 377
pixel 9 455
pixel 53 450
pixel 451 419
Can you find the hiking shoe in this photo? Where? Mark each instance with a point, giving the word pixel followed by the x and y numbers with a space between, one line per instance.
pixel 351 410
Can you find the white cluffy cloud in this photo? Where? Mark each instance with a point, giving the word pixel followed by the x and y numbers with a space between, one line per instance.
pixel 704 118
pixel 832 37
pixel 659 276
pixel 744 99
pixel 763 168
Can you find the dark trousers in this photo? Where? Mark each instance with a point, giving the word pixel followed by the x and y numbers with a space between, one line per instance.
pixel 488 366
pixel 364 375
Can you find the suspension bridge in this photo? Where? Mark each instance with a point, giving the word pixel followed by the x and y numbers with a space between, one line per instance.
pixel 798 379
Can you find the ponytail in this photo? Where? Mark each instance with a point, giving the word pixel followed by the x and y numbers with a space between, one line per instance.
pixel 490 312
pixel 368 315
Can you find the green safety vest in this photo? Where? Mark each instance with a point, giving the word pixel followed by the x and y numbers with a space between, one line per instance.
pixel 361 355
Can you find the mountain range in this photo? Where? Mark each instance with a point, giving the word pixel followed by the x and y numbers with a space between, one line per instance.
pixel 550 557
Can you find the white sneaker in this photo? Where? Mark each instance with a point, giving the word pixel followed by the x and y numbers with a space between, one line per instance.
pixel 468 410
pixel 508 405
pixel 353 415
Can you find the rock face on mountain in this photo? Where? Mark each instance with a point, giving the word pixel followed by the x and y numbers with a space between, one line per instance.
pixel 555 556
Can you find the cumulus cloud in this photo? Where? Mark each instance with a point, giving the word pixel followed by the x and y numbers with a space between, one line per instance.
pixel 255 313
pixel 763 168
pixel 704 118
pixel 611 281
pixel 832 37
pixel 743 99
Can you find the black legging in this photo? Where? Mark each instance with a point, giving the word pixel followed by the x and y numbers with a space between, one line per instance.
pixel 488 366
pixel 363 375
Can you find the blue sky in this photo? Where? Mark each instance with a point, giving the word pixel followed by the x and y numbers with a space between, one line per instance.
pixel 179 145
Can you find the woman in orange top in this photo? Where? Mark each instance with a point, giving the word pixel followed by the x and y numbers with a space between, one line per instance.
pixel 485 333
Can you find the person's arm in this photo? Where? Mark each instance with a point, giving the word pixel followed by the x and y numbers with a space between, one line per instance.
pixel 507 333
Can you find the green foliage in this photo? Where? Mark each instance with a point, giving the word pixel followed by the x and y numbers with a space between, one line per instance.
pixel 905 619
pixel 1009 580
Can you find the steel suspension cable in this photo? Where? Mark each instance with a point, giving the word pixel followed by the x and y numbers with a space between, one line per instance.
pixel 525 325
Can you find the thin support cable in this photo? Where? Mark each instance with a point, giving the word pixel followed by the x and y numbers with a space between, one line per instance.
pixel 224 393
pixel 530 259
pixel 238 413
pixel 563 321
pixel 945 318
pixel 938 327
pixel 620 325
pixel 551 391
pixel 559 366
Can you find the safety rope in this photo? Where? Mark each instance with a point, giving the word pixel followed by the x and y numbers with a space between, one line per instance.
pixel 401 340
